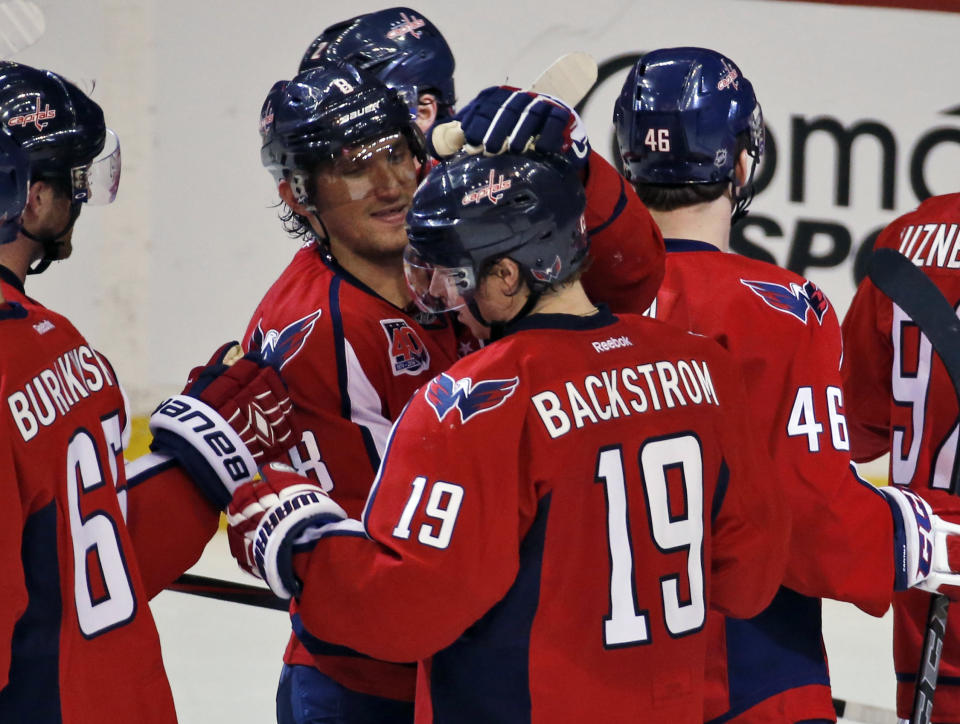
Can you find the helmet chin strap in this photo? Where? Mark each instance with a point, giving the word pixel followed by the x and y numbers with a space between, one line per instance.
pixel 743 196
pixel 499 329
pixel 52 242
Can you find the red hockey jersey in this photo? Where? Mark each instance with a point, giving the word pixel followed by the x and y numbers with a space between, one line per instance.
pixel 78 643
pixel 785 336
pixel 553 518
pixel 900 400
pixel 351 361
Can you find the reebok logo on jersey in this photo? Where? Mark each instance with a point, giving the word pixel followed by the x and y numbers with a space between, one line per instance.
pixel 408 354
pixel 445 393
pixel 488 191
pixel 407 25
pixel 612 343
pixel 278 348
pixel 795 300
pixel 43 327
pixel 34 117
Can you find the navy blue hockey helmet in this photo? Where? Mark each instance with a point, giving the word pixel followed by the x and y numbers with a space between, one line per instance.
pixel 474 210
pixel 679 117
pixel 324 110
pixel 399 45
pixel 62 130
pixel 14 182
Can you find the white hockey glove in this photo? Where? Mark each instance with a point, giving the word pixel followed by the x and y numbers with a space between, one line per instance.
pixel 233 415
pixel 920 542
pixel 503 119
pixel 272 518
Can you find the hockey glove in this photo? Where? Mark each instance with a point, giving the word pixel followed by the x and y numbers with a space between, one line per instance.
pixel 231 416
pixel 273 517
pixel 502 119
pixel 920 543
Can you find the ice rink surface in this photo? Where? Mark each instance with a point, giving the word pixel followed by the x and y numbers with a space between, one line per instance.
pixel 223 659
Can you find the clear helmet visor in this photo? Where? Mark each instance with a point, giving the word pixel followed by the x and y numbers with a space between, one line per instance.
pixel 97 182
pixel 437 289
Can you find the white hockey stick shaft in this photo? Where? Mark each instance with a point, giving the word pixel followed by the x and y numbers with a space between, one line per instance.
pixel 569 78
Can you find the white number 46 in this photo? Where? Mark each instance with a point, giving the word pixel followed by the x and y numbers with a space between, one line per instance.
pixel 658 139
pixel 803 419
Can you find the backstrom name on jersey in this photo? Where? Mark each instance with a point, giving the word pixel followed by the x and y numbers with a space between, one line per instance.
pixel 625 391
pixel 74 376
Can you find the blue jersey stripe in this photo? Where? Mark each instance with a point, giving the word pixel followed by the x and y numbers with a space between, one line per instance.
pixel 484 676
pixel 341 352
pixel 779 650
pixel 33 691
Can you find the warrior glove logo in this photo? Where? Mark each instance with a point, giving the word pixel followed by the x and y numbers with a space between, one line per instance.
pixel 445 393
pixel 795 300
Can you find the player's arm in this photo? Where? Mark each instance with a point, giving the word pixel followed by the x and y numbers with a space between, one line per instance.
pixel 626 245
pixel 232 415
pixel 867 365
pixel 843 542
pixel 437 548
pixel 169 519
pixel 13 591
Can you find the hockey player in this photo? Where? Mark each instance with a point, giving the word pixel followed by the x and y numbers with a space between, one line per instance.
pixel 900 400
pixel 341 326
pixel 85 543
pixel 690 133
pixel 565 577
pixel 409 54
pixel 403 49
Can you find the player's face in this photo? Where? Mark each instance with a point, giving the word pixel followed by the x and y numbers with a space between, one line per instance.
pixel 426 111
pixel 48 214
pixel 363 198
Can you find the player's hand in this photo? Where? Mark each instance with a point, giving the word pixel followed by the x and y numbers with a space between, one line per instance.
pixel 502 119
pixel 233 415
pixel 272 517
pixel 921 543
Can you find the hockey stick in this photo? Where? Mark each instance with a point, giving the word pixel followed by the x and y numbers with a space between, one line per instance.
pixel 914 292
pixel 569 78
pixel 221 590
pixel 864 713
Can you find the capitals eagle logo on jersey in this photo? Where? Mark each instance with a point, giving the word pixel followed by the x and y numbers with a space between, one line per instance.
pixel 278 348
pixel 445 393
pixel 795 300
